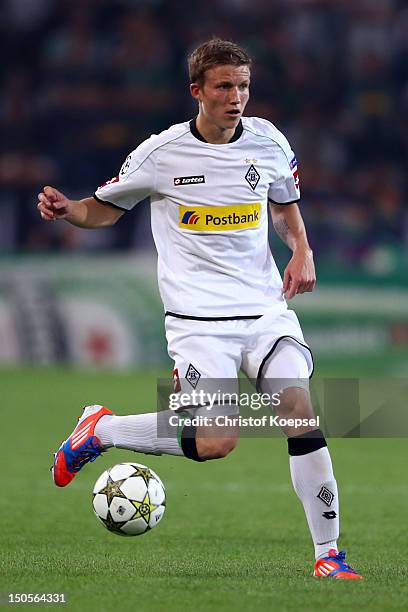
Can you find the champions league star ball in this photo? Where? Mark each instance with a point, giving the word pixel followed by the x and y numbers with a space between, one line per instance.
pixel 129 499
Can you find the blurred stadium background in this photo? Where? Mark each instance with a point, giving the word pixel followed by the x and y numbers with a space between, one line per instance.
pixel 84 81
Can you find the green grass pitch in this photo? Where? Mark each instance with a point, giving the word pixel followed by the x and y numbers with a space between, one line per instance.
pixel 234 536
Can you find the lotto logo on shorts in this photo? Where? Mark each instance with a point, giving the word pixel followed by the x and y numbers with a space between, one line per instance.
pixel 220 218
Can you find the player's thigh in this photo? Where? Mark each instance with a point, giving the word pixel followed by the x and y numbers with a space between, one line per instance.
pixel 265 338
pixel 207 358
pixel 202 350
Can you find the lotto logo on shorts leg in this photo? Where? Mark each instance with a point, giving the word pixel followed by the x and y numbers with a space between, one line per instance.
pixel 326 496
pixel 193 376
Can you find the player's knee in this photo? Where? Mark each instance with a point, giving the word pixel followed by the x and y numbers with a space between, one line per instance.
pixel 215 448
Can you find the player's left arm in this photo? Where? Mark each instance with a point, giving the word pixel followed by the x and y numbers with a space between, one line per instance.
pixel 299 275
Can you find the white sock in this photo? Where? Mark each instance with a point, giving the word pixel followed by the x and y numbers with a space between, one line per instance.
pixel 314 482
pixel 137 433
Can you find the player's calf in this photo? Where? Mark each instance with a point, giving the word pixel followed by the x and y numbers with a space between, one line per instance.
pixel 164 433
pixel 295 405
pixel 215 448
pixel 208 442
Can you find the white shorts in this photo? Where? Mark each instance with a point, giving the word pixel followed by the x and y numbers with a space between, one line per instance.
pixel 220 349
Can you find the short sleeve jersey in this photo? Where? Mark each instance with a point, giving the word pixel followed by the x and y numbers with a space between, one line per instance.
pixel 209 215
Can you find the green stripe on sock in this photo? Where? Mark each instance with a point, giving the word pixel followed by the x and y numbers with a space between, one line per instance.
pixel 180 427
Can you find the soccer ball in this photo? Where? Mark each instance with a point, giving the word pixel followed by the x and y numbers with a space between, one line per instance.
pixel 129 499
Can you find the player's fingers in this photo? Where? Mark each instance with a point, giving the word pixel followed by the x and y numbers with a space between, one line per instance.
pixel 46 208
pixel 286 281
pixel 311 284
pixel 306 286
pixel 58 206
pixel 44 201
pixel 47 215
pixel 41 206
pixel 293 289
pixel 52 193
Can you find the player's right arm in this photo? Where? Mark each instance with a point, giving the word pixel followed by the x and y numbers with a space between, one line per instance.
pixel 134 183
pixel 87 213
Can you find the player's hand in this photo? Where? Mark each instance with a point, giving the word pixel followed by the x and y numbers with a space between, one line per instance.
pixel 300 275
pixel 53 204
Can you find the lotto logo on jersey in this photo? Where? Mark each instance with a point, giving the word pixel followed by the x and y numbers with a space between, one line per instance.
pixel 188 180
pixel 220 218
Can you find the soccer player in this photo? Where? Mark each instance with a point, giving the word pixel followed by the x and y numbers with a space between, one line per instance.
pixel 210 181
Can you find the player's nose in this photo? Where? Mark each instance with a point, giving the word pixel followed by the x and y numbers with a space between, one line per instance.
pixel 234 96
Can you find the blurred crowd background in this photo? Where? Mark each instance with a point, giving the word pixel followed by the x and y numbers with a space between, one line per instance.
pixel 83 82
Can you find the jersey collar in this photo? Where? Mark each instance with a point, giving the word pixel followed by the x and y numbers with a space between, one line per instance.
pixel 194 130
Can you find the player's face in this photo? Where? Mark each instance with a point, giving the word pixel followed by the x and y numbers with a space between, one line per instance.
pixel 223 96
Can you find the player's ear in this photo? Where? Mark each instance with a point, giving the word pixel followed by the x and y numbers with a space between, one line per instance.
pixel 195 90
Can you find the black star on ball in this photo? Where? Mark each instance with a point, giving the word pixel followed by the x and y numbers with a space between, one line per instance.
pixel 112 489
pixel 112 525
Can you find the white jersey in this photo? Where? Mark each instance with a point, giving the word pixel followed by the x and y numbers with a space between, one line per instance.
pixel 209 215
